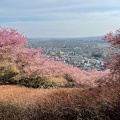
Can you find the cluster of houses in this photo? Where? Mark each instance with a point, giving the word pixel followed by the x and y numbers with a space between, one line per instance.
pixel 85 54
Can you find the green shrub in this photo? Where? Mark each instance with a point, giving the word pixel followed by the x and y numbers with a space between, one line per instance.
pixel 36 83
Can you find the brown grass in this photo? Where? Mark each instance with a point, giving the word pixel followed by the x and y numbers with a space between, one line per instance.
pixel 20 103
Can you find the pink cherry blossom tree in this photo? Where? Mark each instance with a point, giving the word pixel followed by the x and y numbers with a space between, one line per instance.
pixel 27 66
pixel 114 55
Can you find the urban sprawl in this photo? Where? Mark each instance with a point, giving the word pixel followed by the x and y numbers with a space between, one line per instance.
pixel 85 53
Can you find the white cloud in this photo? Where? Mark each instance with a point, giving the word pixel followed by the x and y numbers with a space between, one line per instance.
pixel 23 7
pixel 61 18
pixel 68 28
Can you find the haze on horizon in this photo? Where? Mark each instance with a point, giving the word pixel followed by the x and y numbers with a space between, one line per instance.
pixel 61 18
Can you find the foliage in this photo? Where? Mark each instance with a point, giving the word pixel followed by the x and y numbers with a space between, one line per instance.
pixel 27 66
pixel 36 83
pixel 114 55
pixel 20 103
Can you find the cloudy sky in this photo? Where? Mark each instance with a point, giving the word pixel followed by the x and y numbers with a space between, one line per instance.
pixel 60 18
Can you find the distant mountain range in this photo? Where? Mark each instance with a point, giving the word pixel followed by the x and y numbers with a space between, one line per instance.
pixel 77 38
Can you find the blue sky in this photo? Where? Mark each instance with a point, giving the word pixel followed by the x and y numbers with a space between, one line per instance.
pixel 60 18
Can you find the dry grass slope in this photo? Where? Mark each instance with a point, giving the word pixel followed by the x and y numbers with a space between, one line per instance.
pixel 20 103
